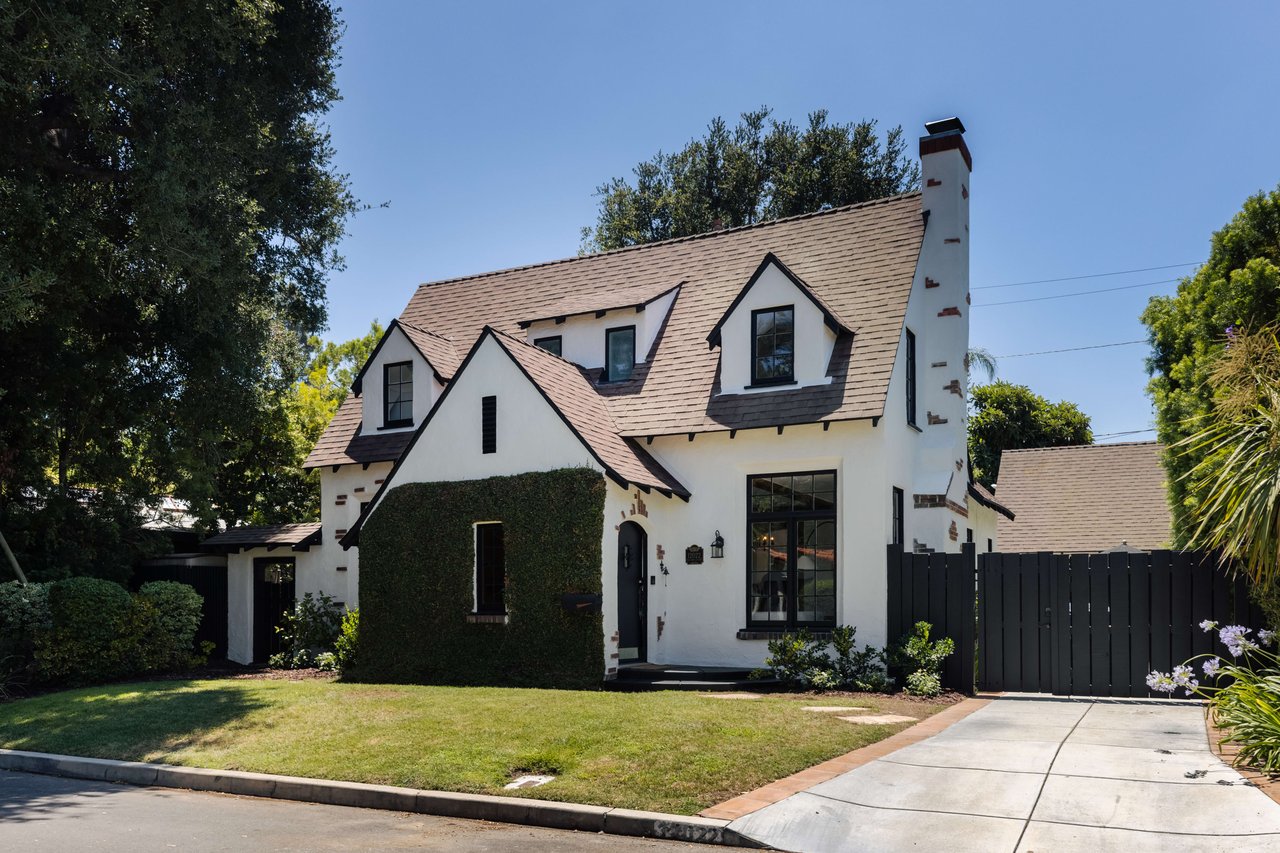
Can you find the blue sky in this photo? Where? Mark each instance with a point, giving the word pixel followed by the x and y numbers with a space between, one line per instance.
pixel 1106 136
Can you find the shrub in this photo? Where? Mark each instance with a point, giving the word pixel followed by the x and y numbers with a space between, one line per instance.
pixel 859 670
pixel 346 647
pixel 798 659
pixel 24 612
pixel 1243 692
pixel 309 630
pixel 166 639
pixel 84 642
pixel 802 660
pixel 918 654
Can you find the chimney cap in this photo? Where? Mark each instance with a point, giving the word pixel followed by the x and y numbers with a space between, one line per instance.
pixel 944 125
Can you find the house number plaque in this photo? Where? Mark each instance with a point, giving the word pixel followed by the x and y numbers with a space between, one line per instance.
pixel 693 555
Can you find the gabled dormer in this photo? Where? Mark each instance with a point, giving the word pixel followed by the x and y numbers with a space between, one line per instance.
pixel 402 379
pixel 609 334
pixel 777 333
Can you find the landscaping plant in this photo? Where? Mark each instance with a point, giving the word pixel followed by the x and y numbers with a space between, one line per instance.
pixel 802 660
pixel 921 658
pixel 1247 704
pixel 310 630
pixel 346 646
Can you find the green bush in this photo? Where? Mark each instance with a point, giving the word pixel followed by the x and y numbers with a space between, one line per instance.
pixel 417 576
pixel 86 641
pixel 921 659
pixel 166 638
pixel 346 647
pixel 24 612
pixel 310 629
pixel 802 660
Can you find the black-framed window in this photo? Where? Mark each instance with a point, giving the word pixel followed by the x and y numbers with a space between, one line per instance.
pixel 619 353
pixel 397 394
pixel 911 377
pixel 551 343
pixel 899 523
pixel 791 548
pixel 491 568
pixel 773 345
pixel 488 424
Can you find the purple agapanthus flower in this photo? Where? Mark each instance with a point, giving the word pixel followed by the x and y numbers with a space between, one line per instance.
pixel 1182 677
pixel 1233 637
pixel 1266 637
pixel 1161 682
pixel 1208 625
pixel 1211 666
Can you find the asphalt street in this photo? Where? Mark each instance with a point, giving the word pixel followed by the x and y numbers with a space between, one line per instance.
pixel 51 813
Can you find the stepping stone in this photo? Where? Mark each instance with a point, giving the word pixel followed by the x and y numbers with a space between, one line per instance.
pixel 833 709
pixel 731 695
pixel 879 719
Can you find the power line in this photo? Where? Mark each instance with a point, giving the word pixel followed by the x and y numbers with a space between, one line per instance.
pixel 1069 349
pixel 1079 277
pixel 1080 293
pixel 1126 432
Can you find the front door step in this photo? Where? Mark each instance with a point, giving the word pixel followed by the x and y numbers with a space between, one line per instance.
pixel 648 676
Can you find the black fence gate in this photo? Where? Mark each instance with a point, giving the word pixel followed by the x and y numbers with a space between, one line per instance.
pixel 1078 624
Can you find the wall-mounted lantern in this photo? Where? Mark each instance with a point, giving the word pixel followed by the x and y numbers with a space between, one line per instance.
pixel 717 546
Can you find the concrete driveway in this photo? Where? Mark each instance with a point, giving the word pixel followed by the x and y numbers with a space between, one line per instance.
pixel 1036 774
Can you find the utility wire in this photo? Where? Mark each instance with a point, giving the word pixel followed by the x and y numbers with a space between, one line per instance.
pixel 1079 277
pixel 1127 432
pixel 1069 349
pixel 1080 293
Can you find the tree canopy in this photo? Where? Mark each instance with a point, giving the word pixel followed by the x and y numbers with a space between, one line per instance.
pixel 170 212
pixel 1012 417
pixel 1238 287
pixel 757 170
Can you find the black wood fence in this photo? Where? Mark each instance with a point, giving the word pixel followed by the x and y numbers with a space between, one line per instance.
pixel 1069 624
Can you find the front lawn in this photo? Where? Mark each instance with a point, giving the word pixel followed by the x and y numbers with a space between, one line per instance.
pixel 670 752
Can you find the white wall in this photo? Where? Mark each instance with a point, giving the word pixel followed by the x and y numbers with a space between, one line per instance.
pixel 814 340
pixel 426 390
pixel 341 493
pixel 582 337
pixel 240 594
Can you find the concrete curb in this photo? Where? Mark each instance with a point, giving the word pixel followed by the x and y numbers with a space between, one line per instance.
pixel 516 810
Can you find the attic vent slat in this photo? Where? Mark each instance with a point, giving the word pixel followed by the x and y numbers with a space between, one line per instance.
pixel 489 424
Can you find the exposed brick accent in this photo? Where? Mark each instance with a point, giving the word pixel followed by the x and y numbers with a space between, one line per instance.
pixel 954 387
pixel 662 623
pixel 340 569
pixel 953 532
pixel 934 420
pixel 929 501
pixel 951 240
pixel 340 502
pixel 933 182
pixel 939 364
pixel 358 489
pixel 958 509
pixel 930 283
pixel 967 300
pixel 951 311
pixel 338 534
pixel 378 482
pixel 964 191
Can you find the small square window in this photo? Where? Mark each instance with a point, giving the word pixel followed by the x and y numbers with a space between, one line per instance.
pixel 619 353
pixel 773 346
pixel 397 394
pixel 551 344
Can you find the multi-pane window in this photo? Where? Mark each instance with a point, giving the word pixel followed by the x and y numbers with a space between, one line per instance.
pixel 490 568
pixel 773 339
pixel 911 377
pixel 551 344
pixel 488 424
pixel 397 393
pixel 791 577
pixel 899 533
pixel 619 353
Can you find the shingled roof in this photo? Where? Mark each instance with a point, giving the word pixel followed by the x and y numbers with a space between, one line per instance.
pixel 342 443
pixel 1087 498
pixel 298 537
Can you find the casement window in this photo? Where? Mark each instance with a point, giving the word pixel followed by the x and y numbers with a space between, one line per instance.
pixel 773 349
pixel 791 569
pixel 490 568
pixel 619 353
pixel 911 377
pixel 551 344
pixel 899 527
pixel 489 425
pixel 397 394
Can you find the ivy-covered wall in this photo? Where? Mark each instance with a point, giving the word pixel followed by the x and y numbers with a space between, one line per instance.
pixel 417 572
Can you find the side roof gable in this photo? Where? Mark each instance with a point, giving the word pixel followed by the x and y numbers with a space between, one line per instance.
pixel 437 350
pixel 829 316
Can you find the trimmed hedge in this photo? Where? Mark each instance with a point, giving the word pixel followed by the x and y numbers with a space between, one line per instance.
pixel 417 574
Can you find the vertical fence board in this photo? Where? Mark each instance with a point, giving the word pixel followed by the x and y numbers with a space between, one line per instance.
pixel 1201 604
pixel 1139 623
pixel 1119 617
pixel 1221 596
pixel 937 582
pixel 1180 608
pixel 1011 583
pixel 1060 585
pixel 1081 656
pixel 995 620
pixel 1044 573
pixel 894 560
pixel 1161 577
pixel 1029 612
pixel 984 623
pixel 966 616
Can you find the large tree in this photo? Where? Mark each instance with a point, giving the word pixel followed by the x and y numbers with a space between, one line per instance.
pixel 169 212
pixel 759 169
pixel 1012 417
pixel 1237 287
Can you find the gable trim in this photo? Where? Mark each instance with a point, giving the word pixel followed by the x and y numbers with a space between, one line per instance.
pixel 357 385
pixel 829 316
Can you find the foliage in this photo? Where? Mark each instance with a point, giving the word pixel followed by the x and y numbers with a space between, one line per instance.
pixel 1243 692
pixel 310 629
pixel 175 610
pixel 24 614
pixel 802 660
pixel 981 359
pixel 417 559
pixel 170 211
pixel 327 382
pixel 759 169
pixel 1011 417
pixel 89 619
pixel 921 659
pixel 1237 287
pixel 1232 505
pixel 347 647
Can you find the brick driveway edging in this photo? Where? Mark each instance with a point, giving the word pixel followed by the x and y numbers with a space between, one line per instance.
pixel 517 810
pixel 777 791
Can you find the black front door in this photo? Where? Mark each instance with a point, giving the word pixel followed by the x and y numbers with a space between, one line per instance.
pixel 632 591
pixel 273 594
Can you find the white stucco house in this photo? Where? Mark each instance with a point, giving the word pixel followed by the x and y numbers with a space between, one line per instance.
pixel 768 407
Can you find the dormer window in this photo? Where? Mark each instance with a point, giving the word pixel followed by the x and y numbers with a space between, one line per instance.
pixel 619 353
pixel 773 348
pixel 551 343
pixel 397 394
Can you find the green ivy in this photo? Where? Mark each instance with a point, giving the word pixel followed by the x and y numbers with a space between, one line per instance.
pixel 417 564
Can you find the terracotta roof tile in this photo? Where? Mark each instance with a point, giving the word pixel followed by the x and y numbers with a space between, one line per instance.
pixel 342 444
pixel 1084 499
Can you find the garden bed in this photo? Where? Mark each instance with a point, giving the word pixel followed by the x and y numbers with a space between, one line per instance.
pixel 666 751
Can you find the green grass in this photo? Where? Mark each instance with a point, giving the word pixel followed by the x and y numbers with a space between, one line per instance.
pixel 669 751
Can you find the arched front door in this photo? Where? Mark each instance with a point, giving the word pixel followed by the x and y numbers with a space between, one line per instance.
pixel 632 592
